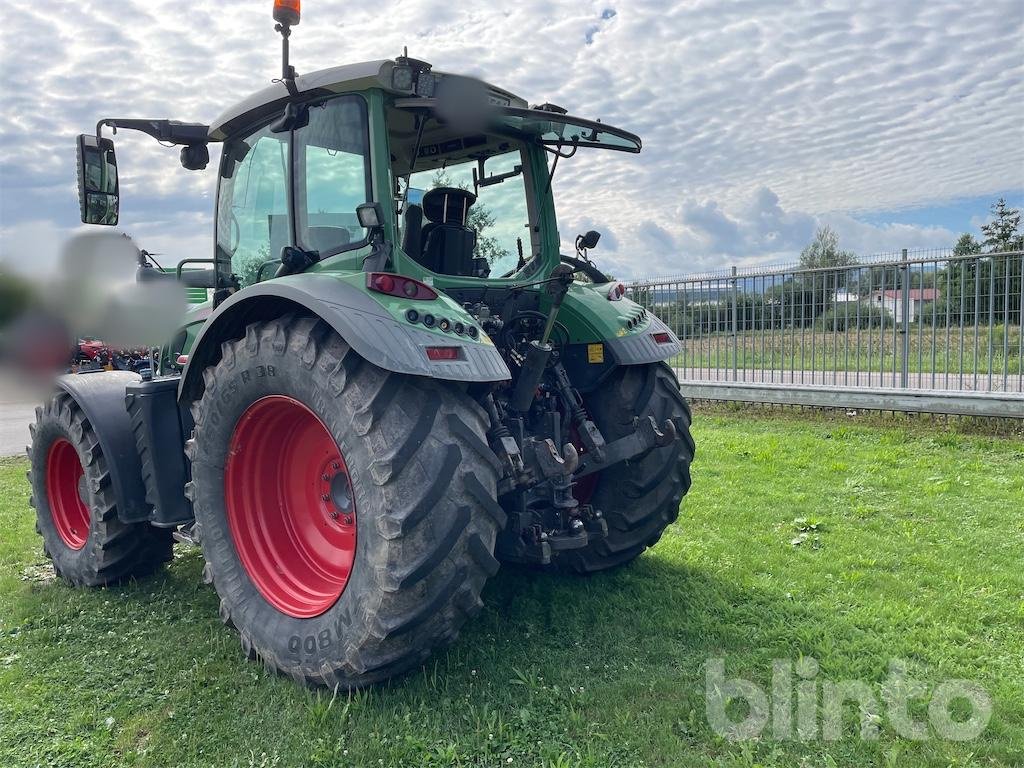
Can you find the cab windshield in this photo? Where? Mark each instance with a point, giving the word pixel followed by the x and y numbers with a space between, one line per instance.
pixel 498 217
pixel 462 195
pixel 463 185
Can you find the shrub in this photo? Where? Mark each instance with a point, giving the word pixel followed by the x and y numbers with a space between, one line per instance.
pixel 939 308
pixel 850 315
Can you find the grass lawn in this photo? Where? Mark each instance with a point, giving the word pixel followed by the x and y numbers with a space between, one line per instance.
pixel 917 555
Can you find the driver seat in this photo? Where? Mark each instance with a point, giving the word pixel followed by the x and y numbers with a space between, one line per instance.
pixel 448 241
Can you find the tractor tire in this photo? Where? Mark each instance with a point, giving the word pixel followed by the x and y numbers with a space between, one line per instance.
pixel 76 511
pixel 639 498
pixel 347 514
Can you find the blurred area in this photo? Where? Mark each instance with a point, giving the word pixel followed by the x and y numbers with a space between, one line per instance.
pixel 96 308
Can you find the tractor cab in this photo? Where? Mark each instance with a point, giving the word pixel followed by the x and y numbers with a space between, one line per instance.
pixel 460 170
pixel 458 173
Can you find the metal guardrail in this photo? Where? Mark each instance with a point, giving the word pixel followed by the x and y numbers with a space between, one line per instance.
pixel 914 322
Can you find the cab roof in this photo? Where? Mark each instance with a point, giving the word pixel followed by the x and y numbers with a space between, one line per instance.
pixel 344 79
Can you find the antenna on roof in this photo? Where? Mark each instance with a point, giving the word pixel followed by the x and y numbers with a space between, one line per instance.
pixel 286 14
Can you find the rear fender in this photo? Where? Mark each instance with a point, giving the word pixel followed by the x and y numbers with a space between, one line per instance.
pixel 101 396
pixel 366 325
pixel 630 335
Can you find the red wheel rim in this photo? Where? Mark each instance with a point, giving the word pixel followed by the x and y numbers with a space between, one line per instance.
pixel 66 493
pixel 290 506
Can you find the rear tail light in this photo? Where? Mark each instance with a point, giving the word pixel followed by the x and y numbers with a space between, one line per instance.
pixel 400 286
pixel 662 337
pixel 616 292
pixel 442 353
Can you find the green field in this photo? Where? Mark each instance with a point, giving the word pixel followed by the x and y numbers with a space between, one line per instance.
pixel 912 549
pixel 996 349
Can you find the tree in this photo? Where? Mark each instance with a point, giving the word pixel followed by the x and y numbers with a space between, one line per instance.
pixel 16 295
pixel 824 251
pixel 817 289
pixel 1003 232
pixel 987 287
pixel 966 245
pixel 959 278
pixel 1001 275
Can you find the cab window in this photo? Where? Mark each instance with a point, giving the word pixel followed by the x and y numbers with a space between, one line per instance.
pixel 496 213
pixel 331 158
pixel 332 155
pixel 252 214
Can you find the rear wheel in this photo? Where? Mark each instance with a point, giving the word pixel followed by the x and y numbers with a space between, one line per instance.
pixel 639 498
pixel 347 514
pixel 76 511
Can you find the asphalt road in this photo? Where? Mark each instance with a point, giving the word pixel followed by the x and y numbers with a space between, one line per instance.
pixel 17 411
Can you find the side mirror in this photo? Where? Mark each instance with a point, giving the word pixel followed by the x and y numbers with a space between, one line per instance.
pixel 97 180
pixel 590 239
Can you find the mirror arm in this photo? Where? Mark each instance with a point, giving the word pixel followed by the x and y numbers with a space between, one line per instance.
pixel 172 131
pixel 380 252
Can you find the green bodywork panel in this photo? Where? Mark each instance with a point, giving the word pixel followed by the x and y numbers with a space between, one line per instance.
pixel 589 316
pixel 183 341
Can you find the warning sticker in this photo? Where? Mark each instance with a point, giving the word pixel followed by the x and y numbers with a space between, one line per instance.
pixel 595 353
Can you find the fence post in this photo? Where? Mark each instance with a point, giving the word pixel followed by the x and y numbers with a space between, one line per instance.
pixel 905 310
pixel 735 328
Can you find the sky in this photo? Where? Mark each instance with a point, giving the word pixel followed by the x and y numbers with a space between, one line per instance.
pixel 896 123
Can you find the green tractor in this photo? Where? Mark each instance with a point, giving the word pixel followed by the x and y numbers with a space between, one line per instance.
pixel 398 382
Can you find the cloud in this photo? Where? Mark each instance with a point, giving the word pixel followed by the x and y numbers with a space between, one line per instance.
pixel 759 119
pixel 706 234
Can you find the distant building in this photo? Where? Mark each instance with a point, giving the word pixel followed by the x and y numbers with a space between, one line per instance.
pixel 893 300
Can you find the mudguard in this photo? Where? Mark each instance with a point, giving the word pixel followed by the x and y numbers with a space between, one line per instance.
pixel 101 398
pixel 640 348
pixel 370 330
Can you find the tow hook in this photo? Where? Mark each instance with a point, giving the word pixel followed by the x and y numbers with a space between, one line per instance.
pixel 660 437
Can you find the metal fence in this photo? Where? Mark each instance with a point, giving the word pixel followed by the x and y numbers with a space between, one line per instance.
pixel 922 330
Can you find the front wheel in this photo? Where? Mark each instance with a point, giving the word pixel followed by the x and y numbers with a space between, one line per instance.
pixel 76 508
pixel 347 514
pixel 639 498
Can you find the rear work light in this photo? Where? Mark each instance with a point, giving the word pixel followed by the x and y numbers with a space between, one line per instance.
pixel 397 285
pixel 443 353
pixel 616 292
pixel 662 337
